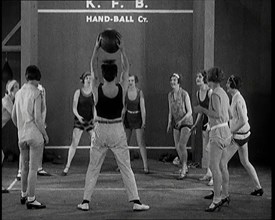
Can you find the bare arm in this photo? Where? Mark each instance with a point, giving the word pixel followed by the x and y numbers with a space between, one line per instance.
pixel 124 66
pixel 169 114
pixel 216 106
pixel 75 102
pixel 38 118
pixel 13 115
pixel 142 108
pixel 241 121
pixel 94 73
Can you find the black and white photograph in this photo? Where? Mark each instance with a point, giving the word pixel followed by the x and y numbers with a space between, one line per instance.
pixel 136 109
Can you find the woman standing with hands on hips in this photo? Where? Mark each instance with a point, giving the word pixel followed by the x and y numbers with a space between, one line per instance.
pixel 180 119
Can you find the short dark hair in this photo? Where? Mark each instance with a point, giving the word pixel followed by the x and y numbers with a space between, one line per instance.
pixel 135 76
pixel 204 75
pixel 32 73
pixel 215 74
pixel 109 70
pixel 83 76
pixel 235 82
pixel 178 76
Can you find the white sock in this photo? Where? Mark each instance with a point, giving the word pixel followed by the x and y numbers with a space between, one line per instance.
pixel 30 199
pixel 23 194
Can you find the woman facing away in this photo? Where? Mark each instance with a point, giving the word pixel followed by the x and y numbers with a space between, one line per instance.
pixel 180 119
pixel 135 117
pixel 109 131
pixel 83 109
pixel 27 117
pixel 203 97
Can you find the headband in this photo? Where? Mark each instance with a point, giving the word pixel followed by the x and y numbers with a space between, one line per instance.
pixel 176 75
pixel 84 75
pixel 9 85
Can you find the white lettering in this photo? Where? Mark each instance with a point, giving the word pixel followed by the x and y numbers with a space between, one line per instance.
pixel 139 4
pixel 114 3
pixel 89 18
pixel 90 4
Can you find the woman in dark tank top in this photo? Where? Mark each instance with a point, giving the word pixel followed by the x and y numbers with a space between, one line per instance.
pixel 83 109
pixel 135 116
pixel 203 97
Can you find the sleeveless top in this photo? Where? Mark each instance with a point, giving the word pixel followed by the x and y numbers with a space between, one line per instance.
pixel 133 105
pixel 109 108
pixel 222 132
pixel 178 107
pixel 238 101
pixel 205 104
pixel 85 105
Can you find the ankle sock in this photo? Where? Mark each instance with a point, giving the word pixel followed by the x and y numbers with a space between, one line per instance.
pixel 23 194
pixel 137 201
pixel 31 199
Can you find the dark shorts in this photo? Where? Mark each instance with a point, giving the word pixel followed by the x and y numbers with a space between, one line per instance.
pixel 241 142
pixel 87 126
pixel 132 121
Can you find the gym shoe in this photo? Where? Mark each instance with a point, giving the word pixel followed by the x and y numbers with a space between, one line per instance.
pixel 210 183
pixel 205 177
pixel 43 173
pixel 142 207
pixel 83 206
pixel 176 161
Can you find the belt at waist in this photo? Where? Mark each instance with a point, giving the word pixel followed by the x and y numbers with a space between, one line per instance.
pixel 108 122
pixel 219 125
pixel 133 112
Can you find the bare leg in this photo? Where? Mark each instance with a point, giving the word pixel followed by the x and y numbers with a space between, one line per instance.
pixel 75 140
pixel 243 154
pixel 142 147
pixel 184 136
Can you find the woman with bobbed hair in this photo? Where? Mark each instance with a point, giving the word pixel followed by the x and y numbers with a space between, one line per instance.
pixel 27 117
pixel 219 136
pixel 240 129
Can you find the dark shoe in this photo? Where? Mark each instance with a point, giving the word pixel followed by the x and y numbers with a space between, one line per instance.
pixel 226 200
pixel 181 176
pixel 23 199
pixel 257 192
pixel 31 205
pixel 213 206
pixel 210 196
pixel 43 173
pixel 64 173
pixel 5 191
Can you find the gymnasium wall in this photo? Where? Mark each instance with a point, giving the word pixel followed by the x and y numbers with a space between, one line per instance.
pixel 243 47
pixel 10 17
pixel 155 49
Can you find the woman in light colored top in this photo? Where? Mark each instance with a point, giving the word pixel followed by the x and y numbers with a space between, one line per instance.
pixel 180 119
pixel 7 103
pixel 27 117
pixel 203 97
pixel 135 116
pixel 219 136
pixel 83 109
pixel 240 129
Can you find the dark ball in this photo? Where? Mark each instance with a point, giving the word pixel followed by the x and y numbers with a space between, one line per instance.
pixel 110 39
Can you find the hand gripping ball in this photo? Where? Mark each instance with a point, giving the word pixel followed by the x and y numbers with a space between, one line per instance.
pixel 110 39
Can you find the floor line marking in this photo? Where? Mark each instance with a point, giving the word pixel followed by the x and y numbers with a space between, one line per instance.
pixel 12 184
pixel 123 189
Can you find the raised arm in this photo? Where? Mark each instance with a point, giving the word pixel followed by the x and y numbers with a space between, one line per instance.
pixel 94 73
pixel 124 66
